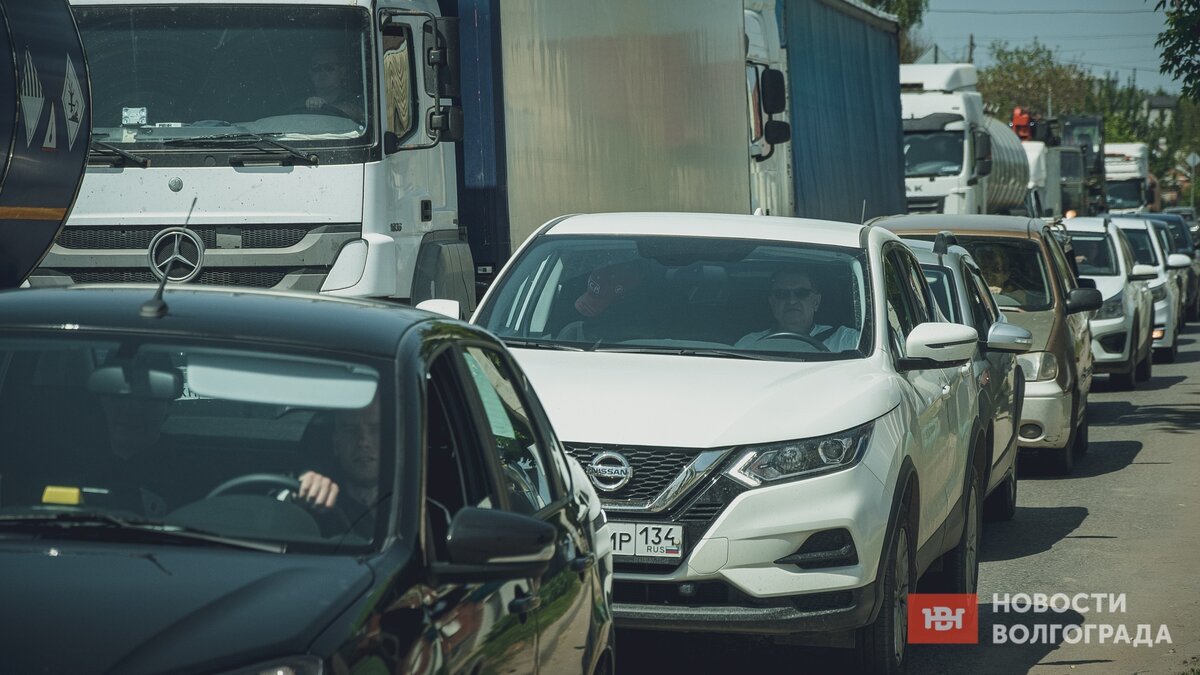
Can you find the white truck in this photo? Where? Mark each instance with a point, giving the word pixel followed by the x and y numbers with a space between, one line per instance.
pixel 1130 187
pixel 396 148
pixel 956 158
pixel 1056 181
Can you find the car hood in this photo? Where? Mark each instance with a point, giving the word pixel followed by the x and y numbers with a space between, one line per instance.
pixel 1040 324
pixel 699 402
pixel 1108 285
pixel 91 608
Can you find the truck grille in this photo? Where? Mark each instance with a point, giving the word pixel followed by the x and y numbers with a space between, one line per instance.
pixel 129 238
pixel 926 204
pixel 257 277
pixel 653 468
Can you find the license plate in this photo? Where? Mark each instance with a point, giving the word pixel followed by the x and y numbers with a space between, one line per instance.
pixel 648 540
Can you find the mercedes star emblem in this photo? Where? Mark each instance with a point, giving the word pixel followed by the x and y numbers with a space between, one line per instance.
pixel 178 248
pixel 609 471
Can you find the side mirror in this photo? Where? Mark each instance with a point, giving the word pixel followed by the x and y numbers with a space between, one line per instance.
pixel 1084 300
pixel 441 306
pixel 1007 337
pixel 1143 273
pixel 773 96
pixel 1084 282
pixel 1178 261
pixel 776 132
pixel 940 345
pixel 441 58
pixel 983 145
pixel 984 167
pixel 489 544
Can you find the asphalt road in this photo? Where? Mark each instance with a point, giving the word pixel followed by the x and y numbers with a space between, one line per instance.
pixel 1127 521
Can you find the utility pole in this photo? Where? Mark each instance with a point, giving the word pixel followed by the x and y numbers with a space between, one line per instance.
pixel 971 48
pixel 935 53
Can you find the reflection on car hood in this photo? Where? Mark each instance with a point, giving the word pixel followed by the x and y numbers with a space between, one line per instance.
pixel 698 402
pixel 1040 324
pixel 92 608
pixel 1108 285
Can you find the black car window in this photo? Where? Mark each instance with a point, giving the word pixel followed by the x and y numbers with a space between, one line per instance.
pixel 522 460
pixel 1143 249
pixel 1125 250
pixel 1094 254
pixel 900 314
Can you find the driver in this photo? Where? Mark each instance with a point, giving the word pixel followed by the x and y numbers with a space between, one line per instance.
pixel 794 301
pixel 994 264
pixel 330 95
pixel 353 484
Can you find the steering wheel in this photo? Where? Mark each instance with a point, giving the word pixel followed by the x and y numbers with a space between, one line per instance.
pixel 796 336
pixel 276 479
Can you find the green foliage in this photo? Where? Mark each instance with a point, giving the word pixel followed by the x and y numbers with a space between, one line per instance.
pixel 1180 44
pixel 908 11
pixel 1031 76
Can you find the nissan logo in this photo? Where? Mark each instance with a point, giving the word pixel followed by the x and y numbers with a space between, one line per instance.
pixel 609 471
pixel 179 249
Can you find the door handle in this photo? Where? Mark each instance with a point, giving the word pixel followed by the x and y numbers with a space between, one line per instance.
pixel 583 563
pixel 524 604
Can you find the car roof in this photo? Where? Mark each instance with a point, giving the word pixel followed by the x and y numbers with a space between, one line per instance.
pixel 965 224
pixel 739 226
pixel 1086 225
pixel 295 319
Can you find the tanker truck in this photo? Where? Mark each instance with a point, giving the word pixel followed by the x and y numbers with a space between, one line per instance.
pixel 956 158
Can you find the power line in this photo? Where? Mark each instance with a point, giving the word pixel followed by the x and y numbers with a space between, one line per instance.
pixel 1040 11
pixel 1028 37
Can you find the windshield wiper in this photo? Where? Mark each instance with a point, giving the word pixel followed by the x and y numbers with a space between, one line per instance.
pixel 534 344
pixel 685 351
pixel 242 139
pixel 151 529
pixel 109 150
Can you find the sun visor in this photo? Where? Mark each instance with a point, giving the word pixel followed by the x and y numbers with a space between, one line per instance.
pixel 935 122
pixel 45 130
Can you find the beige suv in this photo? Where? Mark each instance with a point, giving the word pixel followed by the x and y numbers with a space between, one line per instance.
pixel 1035 286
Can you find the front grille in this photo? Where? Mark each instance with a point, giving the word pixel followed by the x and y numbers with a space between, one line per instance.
pixel 719 594
pixel 88 237
pixel 256 277
pixel 926 204
pixel 653 468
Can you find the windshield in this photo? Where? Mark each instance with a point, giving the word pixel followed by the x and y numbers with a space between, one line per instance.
pixel 1143 249
pixel 1072 166
pixel 933 153
pixel 1015 272
pixel 942 286
pixel 1094 254
pixel 174 72
pixel 194 438
pixel 1124 194
pixel 700 296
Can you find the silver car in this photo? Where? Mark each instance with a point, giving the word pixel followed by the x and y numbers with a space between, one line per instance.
pixel 963 297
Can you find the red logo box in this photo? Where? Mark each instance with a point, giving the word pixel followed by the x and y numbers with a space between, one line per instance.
pixel 943 618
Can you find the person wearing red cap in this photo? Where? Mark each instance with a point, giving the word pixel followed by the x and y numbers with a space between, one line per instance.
pixel 794 302
pixel 607 285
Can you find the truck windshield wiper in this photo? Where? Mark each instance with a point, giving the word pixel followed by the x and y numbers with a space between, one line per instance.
pixel 242 139
pixel 143 528
pixel 102 148
pixel 535 344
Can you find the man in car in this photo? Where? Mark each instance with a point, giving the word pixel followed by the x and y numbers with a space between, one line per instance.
pixel 352 484
pixel 794 301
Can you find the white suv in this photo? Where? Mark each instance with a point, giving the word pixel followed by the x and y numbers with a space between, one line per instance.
pixel 783 429
pixel 1148 249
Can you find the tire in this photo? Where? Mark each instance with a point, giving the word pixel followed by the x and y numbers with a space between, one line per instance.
pixel 1002 504
pixel 1080 446
pixel 1064 457
pixel 1193 313
pixel 1168 354
pixel 1145 368
pixel 882 646
pixel 960 565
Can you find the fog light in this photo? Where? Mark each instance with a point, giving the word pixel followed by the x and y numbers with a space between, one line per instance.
pixel 687 590
pixel 1031 430
pixel 1159 333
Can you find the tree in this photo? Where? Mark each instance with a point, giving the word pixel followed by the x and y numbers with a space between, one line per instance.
pixel 909 14
pixel 1032 77
pixel 1180 44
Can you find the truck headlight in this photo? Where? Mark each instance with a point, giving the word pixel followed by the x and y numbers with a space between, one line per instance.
pixel 1113 307
pixel 1038 366
pixel 1159 292
pixel 803 458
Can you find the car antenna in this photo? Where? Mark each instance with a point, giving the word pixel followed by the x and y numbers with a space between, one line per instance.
pixel 156 307
pixel 862 220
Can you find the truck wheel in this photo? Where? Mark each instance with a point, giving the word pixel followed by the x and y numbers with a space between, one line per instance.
pixel 960 565
pixel 882 647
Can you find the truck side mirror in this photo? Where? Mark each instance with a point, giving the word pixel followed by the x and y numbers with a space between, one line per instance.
pixel 441 57
pixel 776 132
pixel 983 146
pixel 773 91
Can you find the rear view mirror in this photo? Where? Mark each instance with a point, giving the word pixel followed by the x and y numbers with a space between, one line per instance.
pixel 1007 337
pixel 774 91
pixel 776 132
pixel 1142 273
pixel 1178 261
pixel 1084 300
pixel 165 384
pixel 283 380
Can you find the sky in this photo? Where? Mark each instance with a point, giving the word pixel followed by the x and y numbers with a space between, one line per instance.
pixel 1114 36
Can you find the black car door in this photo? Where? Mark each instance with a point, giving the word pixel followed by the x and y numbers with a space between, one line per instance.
pixel 565 597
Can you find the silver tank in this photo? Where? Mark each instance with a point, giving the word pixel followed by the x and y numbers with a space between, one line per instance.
pixel 1009 180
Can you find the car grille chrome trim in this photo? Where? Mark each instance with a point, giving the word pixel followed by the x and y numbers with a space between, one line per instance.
pixel 661 476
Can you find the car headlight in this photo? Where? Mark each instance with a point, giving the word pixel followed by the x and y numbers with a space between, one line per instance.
pixel 1038 366
pixel 294 665
pixel 1159 292
pixel 804 458
pixel 1113 307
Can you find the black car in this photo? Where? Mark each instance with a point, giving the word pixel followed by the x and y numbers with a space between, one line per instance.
pixel 151 517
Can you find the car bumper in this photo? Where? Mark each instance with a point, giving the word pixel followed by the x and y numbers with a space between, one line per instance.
pixel 1046 416
pixel 1111 342
pixel 734 564
pixel 1165 321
